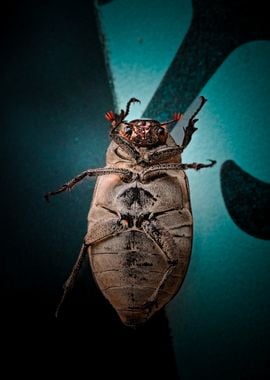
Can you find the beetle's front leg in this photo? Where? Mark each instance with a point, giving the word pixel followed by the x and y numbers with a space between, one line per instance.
pixel 198 165
pixel 188 132
pixel 164 153
pixel 190 129
pixel 126 174
pixel 125 145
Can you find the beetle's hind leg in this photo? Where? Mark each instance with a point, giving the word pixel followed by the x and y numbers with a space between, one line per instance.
pixel 163 238
pixel 190 129
pixel 99 231
pixel 69 284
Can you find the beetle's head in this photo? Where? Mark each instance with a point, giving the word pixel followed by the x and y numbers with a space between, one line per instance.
pixel 140 132
pixel 144 133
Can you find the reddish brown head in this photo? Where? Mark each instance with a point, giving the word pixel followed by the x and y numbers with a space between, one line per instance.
pixel 140 132
pixel 145 133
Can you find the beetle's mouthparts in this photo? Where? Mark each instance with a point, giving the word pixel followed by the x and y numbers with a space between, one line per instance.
pixel 143 132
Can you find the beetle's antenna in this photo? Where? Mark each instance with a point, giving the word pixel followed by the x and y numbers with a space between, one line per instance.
pixel 116 119
pixel 177 116
pixel 132 100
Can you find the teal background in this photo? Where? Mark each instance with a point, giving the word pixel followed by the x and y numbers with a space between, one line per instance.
pixel 59 77
pixel 220 318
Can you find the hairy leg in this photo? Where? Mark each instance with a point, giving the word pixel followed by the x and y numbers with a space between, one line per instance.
pixel 100 231
pixel 164 153
pixel 125 173
pixel 156 170
pixel 162 237
pixel 126 146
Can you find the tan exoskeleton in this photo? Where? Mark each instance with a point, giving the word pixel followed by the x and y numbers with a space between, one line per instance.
pixel 139 235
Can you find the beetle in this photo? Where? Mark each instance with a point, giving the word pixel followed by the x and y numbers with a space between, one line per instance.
pixel 139 235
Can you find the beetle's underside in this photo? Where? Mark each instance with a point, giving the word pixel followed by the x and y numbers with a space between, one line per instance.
pixel 141 268
pixel 139 233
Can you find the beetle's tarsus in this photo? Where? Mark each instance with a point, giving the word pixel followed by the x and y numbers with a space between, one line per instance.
pixel 190 129
pixel 47 197
pixel 149 305
pixel 197 166
pixel 201 166
pixel 56 314
pixel 134 100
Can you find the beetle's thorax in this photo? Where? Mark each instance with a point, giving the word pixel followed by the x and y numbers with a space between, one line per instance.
pixel 117 157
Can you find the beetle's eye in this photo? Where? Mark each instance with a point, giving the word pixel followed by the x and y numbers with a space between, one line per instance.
pixel 161 131
pixel 128 130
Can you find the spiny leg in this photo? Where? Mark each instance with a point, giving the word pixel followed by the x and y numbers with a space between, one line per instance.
pixel 157 170
pixel 190 129
pixel 99 231
pixel 125 173
pixel 162 237
pixel 125 145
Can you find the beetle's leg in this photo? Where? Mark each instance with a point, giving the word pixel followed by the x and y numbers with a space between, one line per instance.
pixel 190 129
pixel 162 237
pixel 125 173
pixel 158 170
pixel 105 229
pixel 164 153
pixel 69 284
pixel 164 240
pixel 125 145
pixel 197 165
pixel 99 231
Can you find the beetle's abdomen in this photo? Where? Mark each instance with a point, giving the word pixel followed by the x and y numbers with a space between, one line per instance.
pixel 128 269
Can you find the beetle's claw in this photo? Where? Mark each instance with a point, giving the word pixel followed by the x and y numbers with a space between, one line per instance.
pixel 213 162
pixel 135 100
pixel 149 305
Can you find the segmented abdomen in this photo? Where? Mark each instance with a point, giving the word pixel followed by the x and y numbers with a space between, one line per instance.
pixel 128 269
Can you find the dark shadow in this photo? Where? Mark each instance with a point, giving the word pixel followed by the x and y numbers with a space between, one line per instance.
pixel 247 200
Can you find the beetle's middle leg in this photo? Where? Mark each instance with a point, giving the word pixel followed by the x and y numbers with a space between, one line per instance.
pixel 99 231
pixel 126 175
pixel 162 237
pixel 157 170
